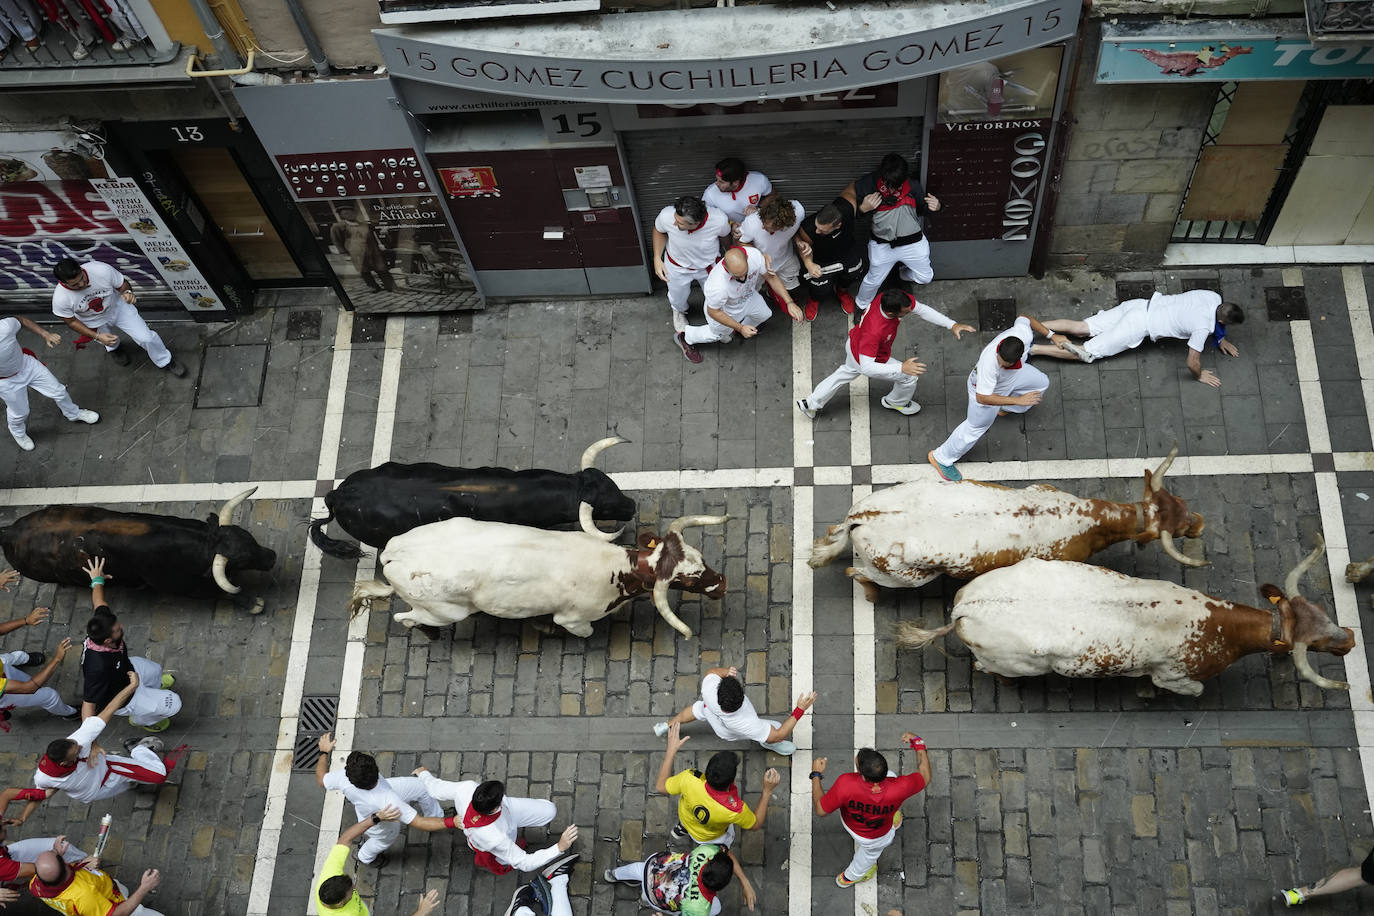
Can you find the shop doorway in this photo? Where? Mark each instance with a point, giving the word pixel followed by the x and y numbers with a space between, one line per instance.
pixel 1332 200
pixel 229 200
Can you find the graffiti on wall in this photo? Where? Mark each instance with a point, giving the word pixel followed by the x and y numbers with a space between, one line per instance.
pixel 42 222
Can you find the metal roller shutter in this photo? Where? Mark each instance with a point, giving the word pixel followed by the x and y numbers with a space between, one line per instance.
pixel 808 162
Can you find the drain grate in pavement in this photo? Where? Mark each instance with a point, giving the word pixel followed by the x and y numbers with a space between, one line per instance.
pixel 368 328
pixel 453 325
pixel 232 376
pixel 303 324
pixel 1134 289
pixel 318 715
pixel 1189 284
pixel 996 315
pixel 1286 303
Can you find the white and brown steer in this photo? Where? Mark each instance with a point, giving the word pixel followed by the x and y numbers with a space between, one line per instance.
pixel 1105 624
pixel 447 571
pixel 907 535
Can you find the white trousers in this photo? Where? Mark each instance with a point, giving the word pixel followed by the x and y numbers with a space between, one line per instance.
pixel 561 906
pixel 15 392
pixel 1118 329
pixel 381 836
pixel 28 850
pixel 752 311
pixel 915 261
pixel 126 318
pixel 903 390
pixel 149 705
pixel 981 416
pixel 635 872
pixel 117 783
pixel 788 268
pixel 866 851
pixel 680 283
pixel 45 697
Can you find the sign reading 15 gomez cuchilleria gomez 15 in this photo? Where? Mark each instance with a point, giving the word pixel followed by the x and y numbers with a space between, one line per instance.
pixel 679 59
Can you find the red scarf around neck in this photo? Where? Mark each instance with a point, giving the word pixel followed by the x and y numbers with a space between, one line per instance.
pixel 903 195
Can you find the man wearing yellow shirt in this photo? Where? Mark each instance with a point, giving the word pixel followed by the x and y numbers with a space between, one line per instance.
pixel 709 805
pixel 88 891
pixel 335 892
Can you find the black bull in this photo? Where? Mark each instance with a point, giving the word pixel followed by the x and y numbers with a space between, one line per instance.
pixel 162 552
pixel 378 504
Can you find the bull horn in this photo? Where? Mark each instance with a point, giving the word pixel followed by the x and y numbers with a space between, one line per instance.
pixel 217 569
pixel 661 602
pixel 1163 468
pixel 226 512
pixel 1305 668
pixel 1166 540
pixel 1290 584
pixel 584 512
pixel 596 448
pixel 693 521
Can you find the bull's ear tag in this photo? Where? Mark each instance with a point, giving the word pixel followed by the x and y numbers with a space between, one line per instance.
pixel 1274 599
pixel 653 542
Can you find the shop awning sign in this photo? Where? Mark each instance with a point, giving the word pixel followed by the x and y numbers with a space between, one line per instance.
pixel 1225 50
pixel 674 57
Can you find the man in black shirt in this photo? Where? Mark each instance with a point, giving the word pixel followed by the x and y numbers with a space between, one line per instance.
pixel 899 206
pixel 832 256
pixel 105 663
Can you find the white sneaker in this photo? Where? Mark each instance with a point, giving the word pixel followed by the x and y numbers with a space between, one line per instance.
pixel 86 416
pixel 81 52
pixel 24 441
pixel 123 44
pixel 784 747
pixel 660 728
pixel 911 408
pixel 806 409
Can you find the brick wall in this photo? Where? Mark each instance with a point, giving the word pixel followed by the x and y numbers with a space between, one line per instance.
pixel 1130 151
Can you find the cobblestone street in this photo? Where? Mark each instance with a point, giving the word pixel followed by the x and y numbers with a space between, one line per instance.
pixel 1049 795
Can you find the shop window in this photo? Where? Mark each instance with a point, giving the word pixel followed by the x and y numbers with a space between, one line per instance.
pixel 1020 87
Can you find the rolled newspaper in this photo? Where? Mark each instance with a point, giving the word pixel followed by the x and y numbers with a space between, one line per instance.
pixel 104 835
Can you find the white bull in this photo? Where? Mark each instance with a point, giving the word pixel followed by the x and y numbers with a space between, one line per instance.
pixel 1042 616
pixel 450 570
pixel 907 535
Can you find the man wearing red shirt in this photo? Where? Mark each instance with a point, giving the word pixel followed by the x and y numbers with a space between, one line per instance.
pixel 869 352
pixel 869 802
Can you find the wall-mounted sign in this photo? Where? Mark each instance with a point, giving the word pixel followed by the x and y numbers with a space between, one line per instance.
pixel 476 58
pixel 470 181
pixel 1213 50
pixel 359 173
pixel 133 209
pixel 881 96
pixel 988 176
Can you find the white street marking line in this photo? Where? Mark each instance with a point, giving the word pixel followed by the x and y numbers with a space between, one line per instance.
pixel 351 674
pixel 1310 386
pixel 155 493
pixel 1361 332
pixel 803 660
pixel 834 476
pixel 265 861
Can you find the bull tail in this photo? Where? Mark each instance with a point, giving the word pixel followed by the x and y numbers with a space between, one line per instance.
pixel 831 546
pixel 343 550
pixel 365 592
pixel 910 636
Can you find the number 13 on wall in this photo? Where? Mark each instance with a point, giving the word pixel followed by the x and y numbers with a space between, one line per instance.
pixel 576 123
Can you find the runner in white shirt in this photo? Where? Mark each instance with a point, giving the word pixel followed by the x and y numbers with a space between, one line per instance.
pixel 80 767
pixel 1196 316
pixel 686 246
pixel 736 192
pixel 733 303
pixel 94 296
pixel 1003 382
pixel 731 715
pixel 771 229
pixel 370 792
pixel 20 371
pixel 491 822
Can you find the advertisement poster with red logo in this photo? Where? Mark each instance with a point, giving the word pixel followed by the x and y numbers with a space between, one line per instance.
pixel 472 181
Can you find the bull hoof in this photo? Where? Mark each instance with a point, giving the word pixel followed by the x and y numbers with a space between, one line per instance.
pixel 258 607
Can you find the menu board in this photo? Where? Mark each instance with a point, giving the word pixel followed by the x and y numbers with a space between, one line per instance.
pixel 137 214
